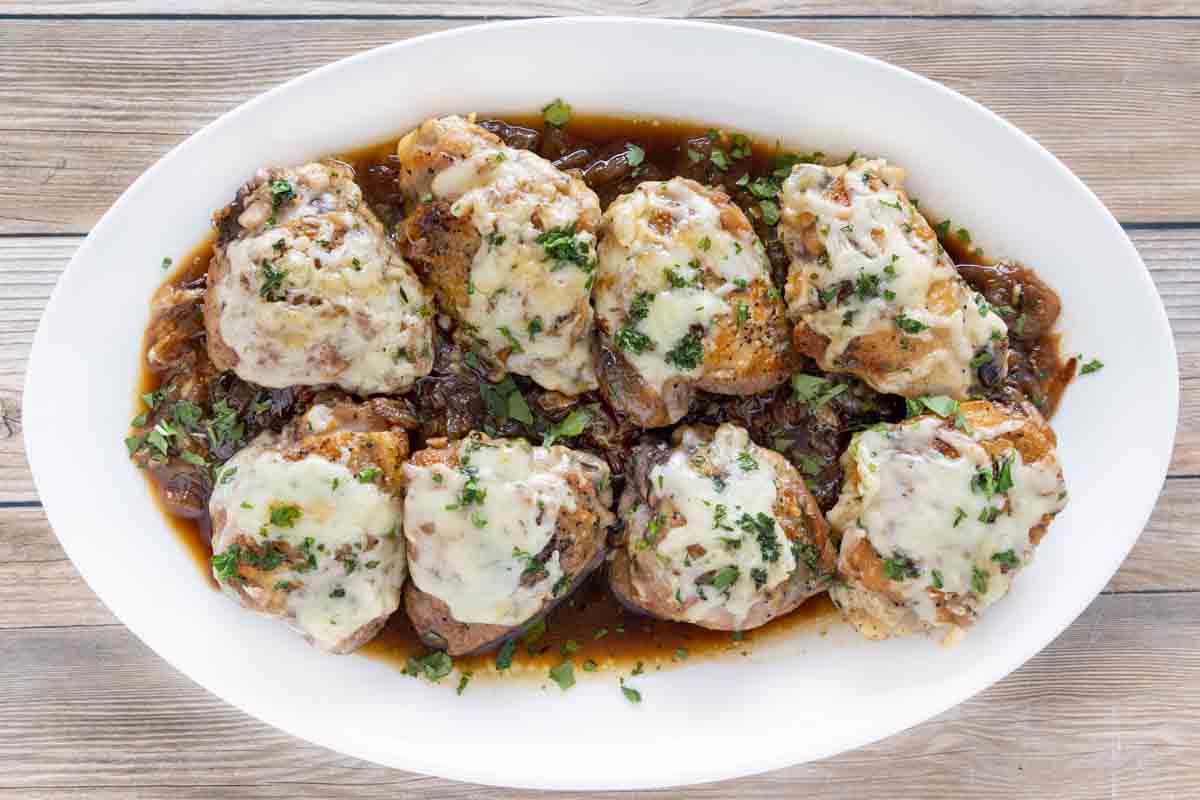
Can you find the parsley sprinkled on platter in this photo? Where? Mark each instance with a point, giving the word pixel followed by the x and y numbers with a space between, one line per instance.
pixel 1095 365
pixel 285 516
pixel 814 390
pixel 573 425
pixel 557 113
pixel 504 656
pixel 272 281
pixel 563 675
pixel 688 352
pixel 562 246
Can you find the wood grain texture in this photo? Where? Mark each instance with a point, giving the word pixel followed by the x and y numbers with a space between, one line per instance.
pixel 1118 101
pixel 1110 709
pixel 658 8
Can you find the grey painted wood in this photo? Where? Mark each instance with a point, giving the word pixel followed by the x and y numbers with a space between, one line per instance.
pixel 1110 709
pixel 661 8
pixel 1116 100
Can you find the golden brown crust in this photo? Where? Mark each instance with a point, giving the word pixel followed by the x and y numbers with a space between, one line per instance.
pixel 441 248
pixel 862 566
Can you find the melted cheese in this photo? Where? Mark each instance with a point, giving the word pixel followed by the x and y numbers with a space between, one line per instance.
pixel 347 310
pixel 714 515
pixel 672 226
pixel 351 529
pixel 512 197
pixel 470 551
pixel 914 503
pixel 869 231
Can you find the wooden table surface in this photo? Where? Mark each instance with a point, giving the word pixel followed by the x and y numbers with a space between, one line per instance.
pixel 94 92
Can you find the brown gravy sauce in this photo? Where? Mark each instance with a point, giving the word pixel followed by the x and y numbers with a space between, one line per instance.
pixel 605 633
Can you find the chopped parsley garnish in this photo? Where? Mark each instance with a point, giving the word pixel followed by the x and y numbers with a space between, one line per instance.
pixel 937 579
pixel 561 585
pixel 725 577
pixel 807 554
pixel 1007 559
pixel 939 404
pixel 813 390
pixel 866 285
pixel 434 666
pixel 563 675
pixel 535 327
pixel 989 514
pixel 687 353
pixel 639 309
pixel 369 475
pixel 573 425
pixel 495 239
pixel 285 516
pixel 1095 365
pixel 770 211
pixel 743 314
pixel 632 695
pixel 463 680
pixel 746 461
pixel 504 400
pixel 720 517
pixel 959 516
pixel 564 249
pixel 225 564
pixel 633 340
pixel 505 655
pixel 979 581
pixel 557 113
pixel 719 159
pixel 634 155
pixel 281 192
pixel 759 576
pixel 187 414
pixel 762 527
pixel 942 229
pixel 900 568
pixel 985 357
pixel 272 281
pixel 478 519
pixel 910 325
pixel 512 340
pixel 1004 480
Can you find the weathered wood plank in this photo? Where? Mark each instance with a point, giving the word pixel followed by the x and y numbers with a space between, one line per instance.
pixel 1110 709
pixel 1116 100
pixel 659 8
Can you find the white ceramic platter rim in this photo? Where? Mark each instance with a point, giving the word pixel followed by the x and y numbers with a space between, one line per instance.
pixel 810 698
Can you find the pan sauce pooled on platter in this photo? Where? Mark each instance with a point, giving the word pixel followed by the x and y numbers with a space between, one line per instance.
pixel 445 316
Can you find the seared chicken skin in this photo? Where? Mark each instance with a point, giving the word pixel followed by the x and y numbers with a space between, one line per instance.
pixel 507 242
pixel 873 293
pixel 684 300
pixel 305 288
pixel 720 532
pixel 498 532
pixel 937 517
pixel 306 525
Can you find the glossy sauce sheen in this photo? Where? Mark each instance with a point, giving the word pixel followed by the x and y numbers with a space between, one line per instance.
pixel 611 636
